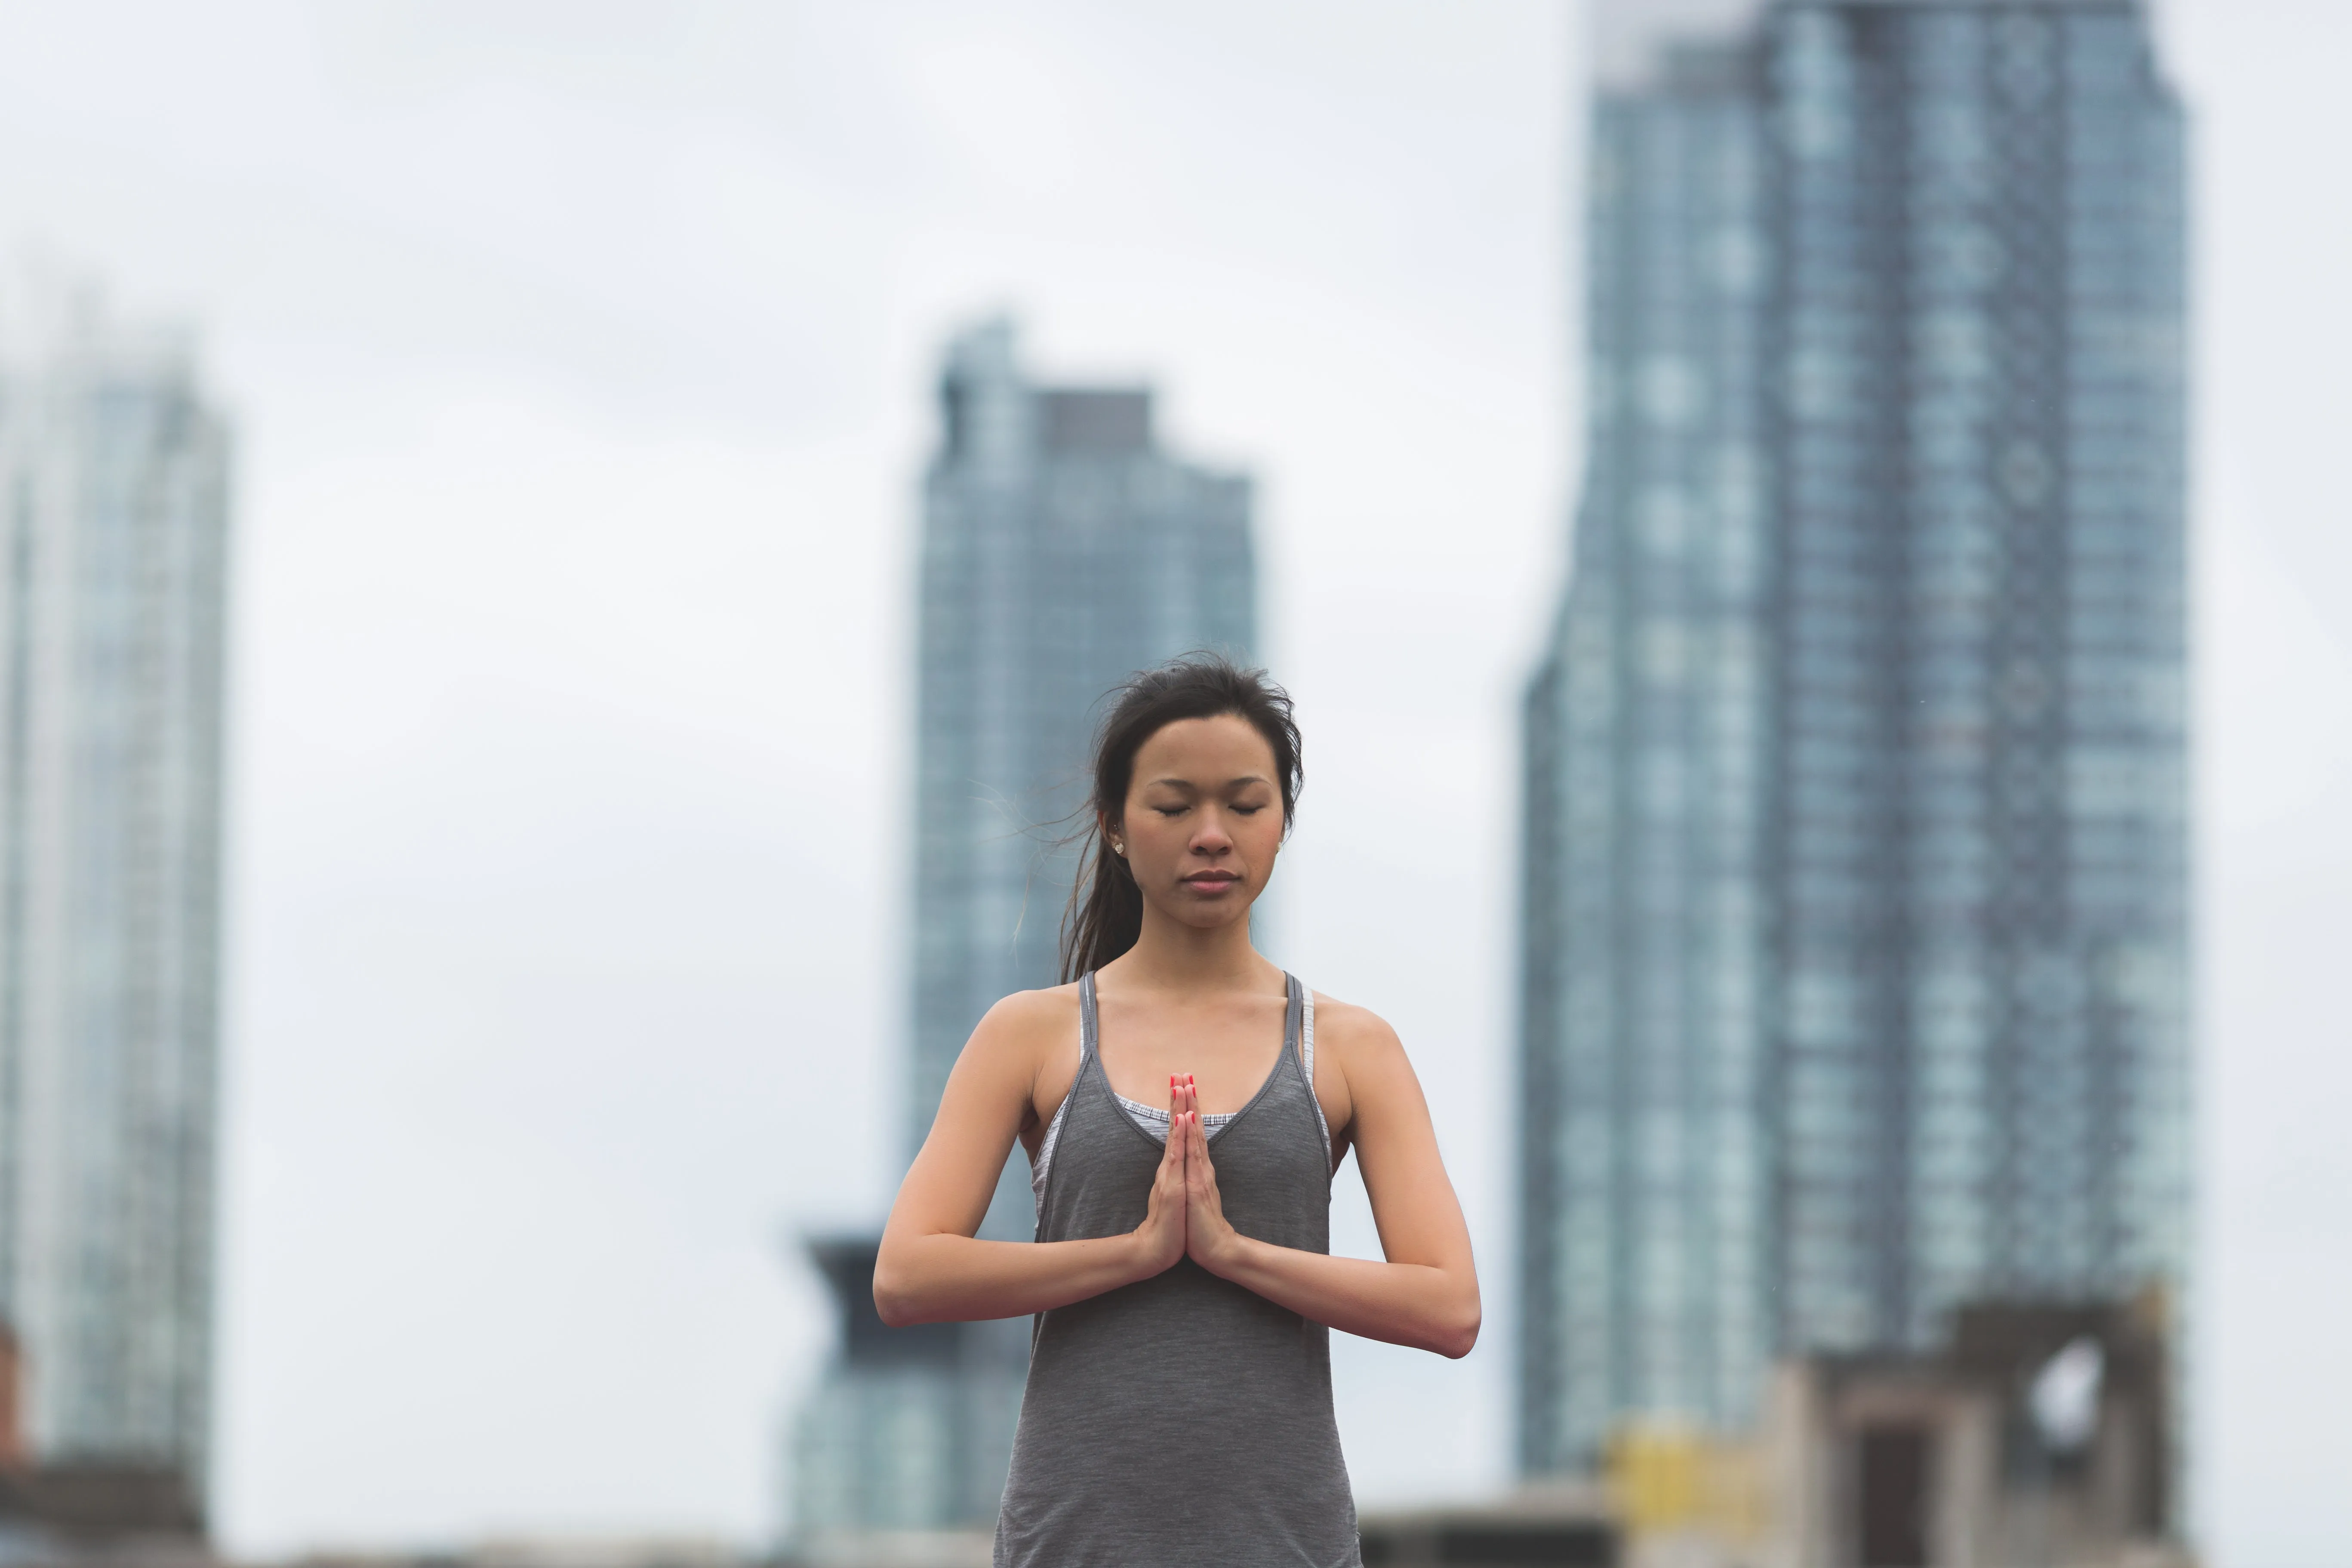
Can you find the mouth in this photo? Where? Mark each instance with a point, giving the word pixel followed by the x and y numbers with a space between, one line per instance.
pixel 1211 882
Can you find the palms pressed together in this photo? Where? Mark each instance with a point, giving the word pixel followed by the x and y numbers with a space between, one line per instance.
pixel 1185 1216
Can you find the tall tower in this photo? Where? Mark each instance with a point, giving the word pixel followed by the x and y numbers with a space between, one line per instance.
pixel 1644 1177
pixel 1856 896
pixel 113 577
pixel 1063 548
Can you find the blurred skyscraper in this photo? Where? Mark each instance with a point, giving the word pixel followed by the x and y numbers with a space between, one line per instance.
pixel 113 569
pixel 1856 904
pixel 1062 549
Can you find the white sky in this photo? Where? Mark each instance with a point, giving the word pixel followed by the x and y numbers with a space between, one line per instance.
pixel 580 354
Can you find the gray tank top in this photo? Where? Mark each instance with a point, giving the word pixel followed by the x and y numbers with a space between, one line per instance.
pixel 1182 1419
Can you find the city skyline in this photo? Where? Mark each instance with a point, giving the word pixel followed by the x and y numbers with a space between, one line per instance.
pixel 580 373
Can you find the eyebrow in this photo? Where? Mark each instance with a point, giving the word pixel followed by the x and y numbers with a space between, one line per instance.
pixel 1188 784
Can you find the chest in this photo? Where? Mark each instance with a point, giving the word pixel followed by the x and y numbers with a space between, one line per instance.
pixel 1228 1052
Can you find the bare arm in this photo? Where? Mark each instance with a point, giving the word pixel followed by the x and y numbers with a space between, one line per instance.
pixel 931 1270
pixel 1426 1294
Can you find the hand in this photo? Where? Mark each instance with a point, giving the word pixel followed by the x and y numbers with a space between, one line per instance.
pixel 1208 1239
pixel 1161 1237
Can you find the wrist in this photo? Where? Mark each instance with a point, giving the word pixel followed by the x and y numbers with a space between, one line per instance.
pixel 1140 1255
pixel 1223 1252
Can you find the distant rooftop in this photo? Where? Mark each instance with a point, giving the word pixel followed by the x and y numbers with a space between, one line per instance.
pixel 1094 419
pixel 1631 39
pixel 1640 44
pixel 51 311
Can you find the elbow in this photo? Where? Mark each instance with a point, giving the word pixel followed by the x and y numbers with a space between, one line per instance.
pixel 1456 1338
pixel 894 1303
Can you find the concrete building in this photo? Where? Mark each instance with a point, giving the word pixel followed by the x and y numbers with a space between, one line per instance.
pixel 1856 905
pixel 113 581
pixel 1063 548
pixel 2037 1436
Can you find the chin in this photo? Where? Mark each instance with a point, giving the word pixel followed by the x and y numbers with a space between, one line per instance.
pixel 1207 914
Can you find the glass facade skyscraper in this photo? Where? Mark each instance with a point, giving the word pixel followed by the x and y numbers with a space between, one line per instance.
pixel 112 585
pixel 1856 929
pixel 1063 548
pixel 1645 1166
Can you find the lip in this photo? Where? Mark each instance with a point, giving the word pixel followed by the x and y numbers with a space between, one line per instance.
pixel 1211 882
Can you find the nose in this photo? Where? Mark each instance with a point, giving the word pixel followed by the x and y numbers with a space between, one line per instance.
pixel 1211 837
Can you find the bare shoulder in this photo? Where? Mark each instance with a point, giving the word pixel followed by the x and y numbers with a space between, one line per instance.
pixel 1375 1084
pixel 1026 1030
pixel 1358 1035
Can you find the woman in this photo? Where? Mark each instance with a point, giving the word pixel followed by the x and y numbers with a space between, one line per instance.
pixel 1178 1403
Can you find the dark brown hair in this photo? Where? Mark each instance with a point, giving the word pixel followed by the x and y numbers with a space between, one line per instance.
pixel 1106 912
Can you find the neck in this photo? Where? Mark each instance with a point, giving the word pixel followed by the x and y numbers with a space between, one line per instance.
pixel 1172 956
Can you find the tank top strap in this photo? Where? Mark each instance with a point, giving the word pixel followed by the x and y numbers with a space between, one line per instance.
pixel 1298 1046
pixel 1089 1031
pixel 1307 1033
pixel 1293 1015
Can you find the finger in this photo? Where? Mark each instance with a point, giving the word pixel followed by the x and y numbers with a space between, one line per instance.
pixel 1180 1148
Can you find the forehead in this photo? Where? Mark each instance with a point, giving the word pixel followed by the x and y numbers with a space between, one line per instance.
pixel 1226 746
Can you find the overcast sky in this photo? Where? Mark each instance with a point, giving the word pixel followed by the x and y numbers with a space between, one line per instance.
pixel 579 355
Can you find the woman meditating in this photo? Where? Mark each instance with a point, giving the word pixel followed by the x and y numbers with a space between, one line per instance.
pixel 1184 1104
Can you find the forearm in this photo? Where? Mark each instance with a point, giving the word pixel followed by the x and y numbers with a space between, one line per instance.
pixel 1414 1304
pixel 946 1277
